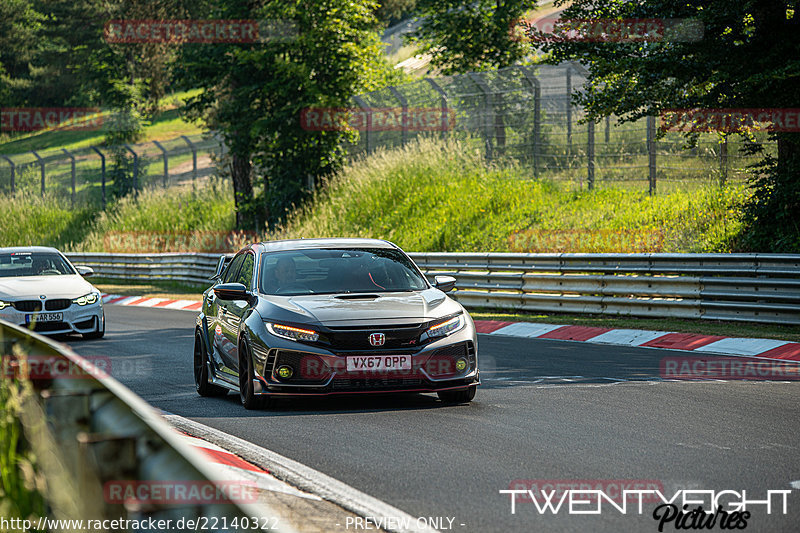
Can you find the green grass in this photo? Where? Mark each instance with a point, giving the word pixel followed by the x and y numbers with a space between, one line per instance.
pixel 166 125
pixel 152 289
pixel 432 196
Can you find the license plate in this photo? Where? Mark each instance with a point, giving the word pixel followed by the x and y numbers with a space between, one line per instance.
pixel 361 363
pixel 44 317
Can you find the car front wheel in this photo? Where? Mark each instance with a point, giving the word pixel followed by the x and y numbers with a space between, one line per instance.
pixel 246 393
pixel 201 383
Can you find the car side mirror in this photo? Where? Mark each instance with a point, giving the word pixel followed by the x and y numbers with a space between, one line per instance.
pixel 445 283
pixel 232 291
pixel 85 271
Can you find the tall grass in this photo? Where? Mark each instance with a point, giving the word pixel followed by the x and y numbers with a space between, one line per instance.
pixel 434 196
pixel 28 219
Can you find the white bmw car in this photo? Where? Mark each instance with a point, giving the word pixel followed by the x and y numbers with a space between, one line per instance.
pixel 41 290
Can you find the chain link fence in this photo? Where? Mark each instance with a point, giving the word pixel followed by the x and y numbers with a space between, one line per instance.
pixel 86 175
pixel 525 114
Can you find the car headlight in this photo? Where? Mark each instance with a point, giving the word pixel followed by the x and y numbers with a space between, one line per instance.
pixel 292 333
pixel 451 325
pixel 86 299
pixel 3 304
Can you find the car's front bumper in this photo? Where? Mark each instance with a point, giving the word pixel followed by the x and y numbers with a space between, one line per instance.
pixel 322 372
pixel 75 319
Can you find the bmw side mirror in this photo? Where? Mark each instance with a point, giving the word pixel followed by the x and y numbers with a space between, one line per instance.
pixel 445 283
pixel 232 291
pixel 85 271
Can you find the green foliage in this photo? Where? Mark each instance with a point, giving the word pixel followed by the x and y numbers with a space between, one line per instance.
pixel 20 25
pixel 435 197
pixel 21 486
pixel 463 36
pixel 27 219
pixel 748 57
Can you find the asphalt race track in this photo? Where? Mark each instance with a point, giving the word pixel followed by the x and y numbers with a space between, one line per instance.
pixel 548 410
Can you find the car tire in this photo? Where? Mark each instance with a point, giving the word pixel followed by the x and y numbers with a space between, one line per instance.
pixel 99 332
pixel 457 396
pixel 201 383
pixel 247 395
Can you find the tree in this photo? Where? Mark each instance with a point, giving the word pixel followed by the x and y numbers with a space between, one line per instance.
pixel 748 57
pixel 20 27
pixel 253 94
pixel 463 36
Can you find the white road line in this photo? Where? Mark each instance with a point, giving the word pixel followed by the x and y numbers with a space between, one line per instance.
pixel 741 346
pixel 629 337
pixel 525 329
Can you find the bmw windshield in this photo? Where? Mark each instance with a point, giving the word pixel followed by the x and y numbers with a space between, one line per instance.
pixel 18 264
pixel 334 271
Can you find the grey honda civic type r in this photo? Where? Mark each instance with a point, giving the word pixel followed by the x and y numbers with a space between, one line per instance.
pixel 316 317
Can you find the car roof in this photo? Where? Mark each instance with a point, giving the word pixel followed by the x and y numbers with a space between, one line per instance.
pixel 305 244
pixel 18 249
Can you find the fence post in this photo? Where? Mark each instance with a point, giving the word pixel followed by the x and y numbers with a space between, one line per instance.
pixel 487 102
pixel 367 124
pixel 590 154
pixel 723 160
pixel 13 172
pixel 41 165
pixel 537 117
pixel 608 129
pixel 166 162
pixel 102 173
pixel 194 156
pixel 72 161
pixel 569 110
pixel 135 166
pixel 443 103
pixel 404 104
pixel 651 152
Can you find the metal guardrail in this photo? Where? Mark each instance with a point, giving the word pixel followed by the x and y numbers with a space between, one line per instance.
pixel 98 432
pixel 747 287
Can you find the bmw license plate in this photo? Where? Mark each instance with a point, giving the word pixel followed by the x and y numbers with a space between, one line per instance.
pixel 362 363
pixel 44 317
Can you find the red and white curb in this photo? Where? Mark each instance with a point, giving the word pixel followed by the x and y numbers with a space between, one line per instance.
pixel 691 342
pixel 232 468
pixel 140 301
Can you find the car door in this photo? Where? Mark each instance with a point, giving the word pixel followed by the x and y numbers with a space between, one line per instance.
pixel 236 310
pixel 218 309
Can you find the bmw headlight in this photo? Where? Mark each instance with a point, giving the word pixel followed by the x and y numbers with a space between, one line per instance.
pixel 3 304
pixel 446 327
pixel 86 299
pixel 292 333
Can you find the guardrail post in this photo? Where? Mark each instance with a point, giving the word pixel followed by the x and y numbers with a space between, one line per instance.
pixel 41 165
pixel 135 166
pixel 590 154
pixel 13 172
pixel 72 161
pixel 367 124
pixel 488 113
pixel 194 155
pixel 651 152
pixel 537 117
pixel 443 103
pixel 608 129
pixel 102 172
pixel 166 162
pixel 404 104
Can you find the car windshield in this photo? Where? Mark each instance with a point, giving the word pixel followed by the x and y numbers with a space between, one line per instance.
pixel 17 264
pixel 333 271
